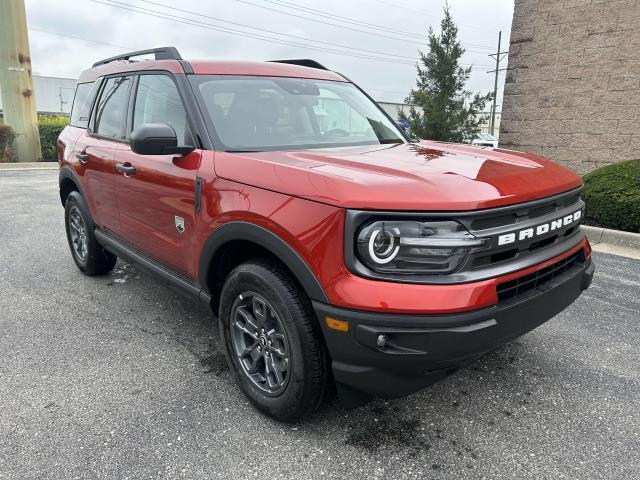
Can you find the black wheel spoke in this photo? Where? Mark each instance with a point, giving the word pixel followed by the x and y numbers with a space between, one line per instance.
pixel 273 367
pixel 249 320
pixel 245 330
pixel 259 311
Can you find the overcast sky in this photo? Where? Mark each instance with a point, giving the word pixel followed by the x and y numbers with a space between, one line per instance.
pixel 373 42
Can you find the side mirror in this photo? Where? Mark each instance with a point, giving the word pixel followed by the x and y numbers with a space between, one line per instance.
pixel 157 139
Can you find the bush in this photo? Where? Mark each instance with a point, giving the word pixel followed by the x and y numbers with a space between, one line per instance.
pixel 6 140
pixel 612 195
pixel 50 127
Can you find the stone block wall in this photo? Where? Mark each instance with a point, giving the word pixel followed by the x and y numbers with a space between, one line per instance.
pixel 572 88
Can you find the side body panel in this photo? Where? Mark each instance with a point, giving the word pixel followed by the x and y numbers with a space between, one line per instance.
pixel 98 176
pixel 155 203
pixel 94 173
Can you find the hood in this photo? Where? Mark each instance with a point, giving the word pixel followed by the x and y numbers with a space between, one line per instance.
pixel 420 176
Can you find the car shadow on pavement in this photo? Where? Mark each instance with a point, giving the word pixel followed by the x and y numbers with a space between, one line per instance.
pixel 435 423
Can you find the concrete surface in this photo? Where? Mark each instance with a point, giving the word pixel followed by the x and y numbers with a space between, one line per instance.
pixel 18 166
pixel 116 377
pixel 616 242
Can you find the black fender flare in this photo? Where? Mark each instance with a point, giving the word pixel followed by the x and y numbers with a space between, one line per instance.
pixel 239 230
pixel 67 173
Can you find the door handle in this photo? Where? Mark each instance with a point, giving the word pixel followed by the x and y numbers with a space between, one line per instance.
pixel 126 169
pixel 83 157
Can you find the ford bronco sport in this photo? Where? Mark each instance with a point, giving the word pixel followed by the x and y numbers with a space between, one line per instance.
pixel 332 248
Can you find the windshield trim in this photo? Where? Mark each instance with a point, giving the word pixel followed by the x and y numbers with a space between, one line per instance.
pixel 310 146
pixel 194 80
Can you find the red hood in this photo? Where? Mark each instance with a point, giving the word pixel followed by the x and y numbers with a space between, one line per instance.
pixel 422 176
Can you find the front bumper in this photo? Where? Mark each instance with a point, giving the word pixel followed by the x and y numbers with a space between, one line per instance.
pixel 420 350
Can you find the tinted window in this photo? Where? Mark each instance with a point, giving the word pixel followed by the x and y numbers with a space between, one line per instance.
pixel 81 109
pixel 158 101
pixel 261 113
pixel 110 110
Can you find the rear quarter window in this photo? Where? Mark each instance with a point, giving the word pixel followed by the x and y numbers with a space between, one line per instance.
pixel 82 101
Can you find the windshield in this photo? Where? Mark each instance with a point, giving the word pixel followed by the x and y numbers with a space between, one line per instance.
pixel 272 113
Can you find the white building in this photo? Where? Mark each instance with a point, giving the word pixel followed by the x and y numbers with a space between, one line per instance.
pixel 53 94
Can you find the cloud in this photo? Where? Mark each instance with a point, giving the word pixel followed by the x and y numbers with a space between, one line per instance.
pixel 57 55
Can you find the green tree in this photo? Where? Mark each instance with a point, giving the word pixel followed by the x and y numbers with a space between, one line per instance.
pixel 441 107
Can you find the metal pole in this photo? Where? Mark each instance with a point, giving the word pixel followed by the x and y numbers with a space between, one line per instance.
pixel 495 86
pixel 16 84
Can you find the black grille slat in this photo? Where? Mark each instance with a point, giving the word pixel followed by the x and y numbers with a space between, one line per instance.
pixel 538 279
pixel 493 222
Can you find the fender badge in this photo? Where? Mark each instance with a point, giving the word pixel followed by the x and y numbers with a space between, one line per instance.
pixel 180 224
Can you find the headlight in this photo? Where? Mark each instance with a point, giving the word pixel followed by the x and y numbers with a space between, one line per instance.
pixel 416 247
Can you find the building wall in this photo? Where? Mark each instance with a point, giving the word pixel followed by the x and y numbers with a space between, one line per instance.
pixel 53 94
pixel 393 109
pixel 572 90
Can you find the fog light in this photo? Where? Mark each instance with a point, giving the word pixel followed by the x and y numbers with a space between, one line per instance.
pixel 382 341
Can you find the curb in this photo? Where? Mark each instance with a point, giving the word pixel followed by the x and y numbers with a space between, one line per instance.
pixel 17 166
pixel 598 235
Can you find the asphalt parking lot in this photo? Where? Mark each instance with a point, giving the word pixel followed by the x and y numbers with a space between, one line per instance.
pixel 117 377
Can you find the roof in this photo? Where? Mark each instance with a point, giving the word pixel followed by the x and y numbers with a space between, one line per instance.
pixel 208 67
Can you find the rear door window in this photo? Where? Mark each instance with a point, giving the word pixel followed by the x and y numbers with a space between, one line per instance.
pixel 111 109
pixel 82 101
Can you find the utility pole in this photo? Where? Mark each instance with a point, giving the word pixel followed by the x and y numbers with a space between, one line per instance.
pixel 16 84
pixel 499 56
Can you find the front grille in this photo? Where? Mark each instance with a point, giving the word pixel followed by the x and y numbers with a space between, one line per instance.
pixel 517 218
pixel 539 279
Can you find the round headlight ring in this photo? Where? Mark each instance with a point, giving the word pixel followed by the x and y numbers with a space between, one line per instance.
pixel 390 251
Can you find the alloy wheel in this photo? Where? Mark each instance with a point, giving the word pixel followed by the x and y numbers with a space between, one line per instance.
pixel 260 342
pixel 78 233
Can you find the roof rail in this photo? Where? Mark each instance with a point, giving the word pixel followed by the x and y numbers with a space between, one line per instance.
pixel 162 53
pixel 303 62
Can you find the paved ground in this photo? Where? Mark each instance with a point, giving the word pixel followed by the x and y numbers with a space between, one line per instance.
pixel 117 377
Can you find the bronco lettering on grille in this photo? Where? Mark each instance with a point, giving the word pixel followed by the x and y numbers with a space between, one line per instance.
pixel 538 230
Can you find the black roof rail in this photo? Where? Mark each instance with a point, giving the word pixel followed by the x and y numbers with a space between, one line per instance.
pixel 162 53
pixel 303 62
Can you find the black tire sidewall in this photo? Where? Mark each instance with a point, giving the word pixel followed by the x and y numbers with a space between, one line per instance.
pixel 252 277
pixel 98 261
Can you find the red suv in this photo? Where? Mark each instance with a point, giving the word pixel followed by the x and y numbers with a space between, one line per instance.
pixel 333 248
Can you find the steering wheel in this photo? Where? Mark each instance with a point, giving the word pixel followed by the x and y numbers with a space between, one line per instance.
pixel 336 131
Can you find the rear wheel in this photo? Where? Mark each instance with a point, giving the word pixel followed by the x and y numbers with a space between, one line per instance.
pixel 87 253
pixel 272 341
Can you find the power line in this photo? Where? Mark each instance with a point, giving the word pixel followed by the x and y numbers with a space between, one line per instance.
pixel 80 38
pixel 357 22
pixel 348 20
pixel 201 24
pixel 352 29
pixel 197 23
pixel 499 55
pixel 420 12
pixel 329 23
pixel 200 14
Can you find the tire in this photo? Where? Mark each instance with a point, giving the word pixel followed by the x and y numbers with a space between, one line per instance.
pixel 259 294
pixel 88 254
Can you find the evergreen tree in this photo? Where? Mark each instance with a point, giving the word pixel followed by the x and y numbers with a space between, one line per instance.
pixel 448 111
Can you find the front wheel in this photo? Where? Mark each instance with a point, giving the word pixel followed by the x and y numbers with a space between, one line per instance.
pixel 87 253
pixel 273 342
